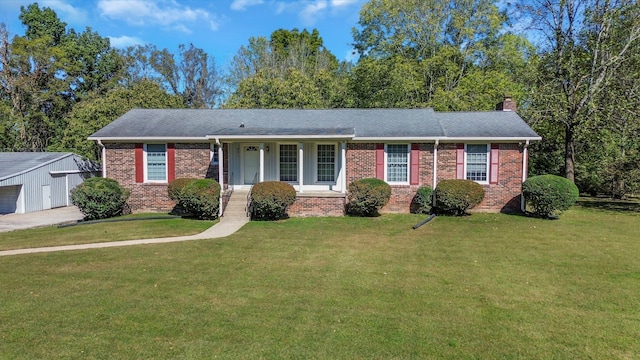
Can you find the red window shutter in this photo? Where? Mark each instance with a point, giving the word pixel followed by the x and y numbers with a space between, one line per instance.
pixel 171 162
pixel 415 165
pixel 380 161
pixel 495 162
pixel 460 161
pixel 139 163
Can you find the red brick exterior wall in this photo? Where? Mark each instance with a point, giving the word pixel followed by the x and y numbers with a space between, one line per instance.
pixel 192 160
pixel 317 206
pixel 361 163
pixel 503 196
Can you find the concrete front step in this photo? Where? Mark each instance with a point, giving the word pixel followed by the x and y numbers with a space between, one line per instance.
pixel 237 205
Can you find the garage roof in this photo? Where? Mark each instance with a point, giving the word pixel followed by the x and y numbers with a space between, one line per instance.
pixel 16 163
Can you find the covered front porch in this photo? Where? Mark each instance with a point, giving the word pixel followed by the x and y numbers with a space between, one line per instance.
pixel 311 167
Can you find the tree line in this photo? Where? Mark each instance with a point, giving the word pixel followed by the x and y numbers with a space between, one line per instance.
pixel 572 65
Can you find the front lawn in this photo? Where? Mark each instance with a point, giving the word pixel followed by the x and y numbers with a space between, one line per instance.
pixel 129 227
pixel 485 286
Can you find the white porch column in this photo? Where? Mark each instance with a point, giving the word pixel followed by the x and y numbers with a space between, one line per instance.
pixel 220 164
pixel 261 177
pixel 300 166
pixel 343 167
pixel 220 155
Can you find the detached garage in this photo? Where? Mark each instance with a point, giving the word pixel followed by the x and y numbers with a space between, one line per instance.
pixel 34 181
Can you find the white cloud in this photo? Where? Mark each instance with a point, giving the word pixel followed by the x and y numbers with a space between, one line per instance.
pixel 310 14
pixel 214 25
pixel 65 11
pixel 241 5
pixel 342 3
pixel 166 13
pixel 124 41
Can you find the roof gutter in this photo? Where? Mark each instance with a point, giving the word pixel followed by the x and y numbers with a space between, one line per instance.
pixel 276 137
pixel 446 139
pixel 150 138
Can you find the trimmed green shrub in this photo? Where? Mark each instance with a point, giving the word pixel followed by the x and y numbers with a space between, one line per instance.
pixel 99 198
pixel 270 200
pixel 549 195
pixel 422 201
pixel 367 196
pixel 201 198
pixel 455 197
pixel 174 189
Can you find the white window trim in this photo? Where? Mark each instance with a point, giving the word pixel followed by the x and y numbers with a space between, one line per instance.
pixel 335 162
pixel 406 182
pixel 166 165
pixel 296 182
pixel 488 163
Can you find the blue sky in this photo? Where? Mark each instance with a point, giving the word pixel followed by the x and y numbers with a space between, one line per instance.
pixel 219 27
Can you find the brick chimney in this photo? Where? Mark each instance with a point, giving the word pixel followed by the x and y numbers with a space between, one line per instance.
pixel 507 104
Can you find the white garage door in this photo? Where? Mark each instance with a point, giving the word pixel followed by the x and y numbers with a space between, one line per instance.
pixel 9 199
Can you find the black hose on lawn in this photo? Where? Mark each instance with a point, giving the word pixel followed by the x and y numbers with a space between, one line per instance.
pixel 424 221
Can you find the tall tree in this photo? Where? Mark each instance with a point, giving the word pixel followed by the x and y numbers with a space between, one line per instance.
pixel 192 74
pixel 92 114
pixel 44 73
pixel 425 50
pixel 292 69
pixel 586 44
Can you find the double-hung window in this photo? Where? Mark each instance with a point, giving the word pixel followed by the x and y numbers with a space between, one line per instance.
pixel 397 163
pixel 155 162
pixel 326 160
pixel 288 162
pixel 477 163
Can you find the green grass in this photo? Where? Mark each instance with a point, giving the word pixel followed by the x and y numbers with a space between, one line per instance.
pixel 103 231
pixel 480 287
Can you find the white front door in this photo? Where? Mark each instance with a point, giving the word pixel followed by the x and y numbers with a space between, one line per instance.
pixel 251 167
pixel 46 197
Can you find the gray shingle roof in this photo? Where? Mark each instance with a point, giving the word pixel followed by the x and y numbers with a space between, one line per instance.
pixel 14 163
pixel 346 123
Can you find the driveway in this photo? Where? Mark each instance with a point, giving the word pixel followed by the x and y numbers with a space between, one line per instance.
pixel 56 216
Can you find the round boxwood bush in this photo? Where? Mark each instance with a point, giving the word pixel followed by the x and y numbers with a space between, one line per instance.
pixel 422 201
pixel 549 195
pixel 201 198
pixel 455 197
pixel 175 187
pixel 367 196
pixel 270 200
pixel 99 198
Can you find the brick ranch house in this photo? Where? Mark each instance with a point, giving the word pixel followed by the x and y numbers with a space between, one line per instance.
pixel 319 152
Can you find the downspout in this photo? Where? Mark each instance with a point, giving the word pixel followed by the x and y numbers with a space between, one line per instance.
pixel 343 160
pixel 103 154
pixel 435 163
pixel 524 172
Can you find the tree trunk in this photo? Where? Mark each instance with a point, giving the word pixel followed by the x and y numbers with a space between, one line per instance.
pixel 569 156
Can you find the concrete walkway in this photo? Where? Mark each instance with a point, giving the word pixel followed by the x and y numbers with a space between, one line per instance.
pixel 67 214
pixel 234 218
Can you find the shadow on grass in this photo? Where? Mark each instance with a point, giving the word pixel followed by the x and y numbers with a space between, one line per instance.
pixel 608 204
